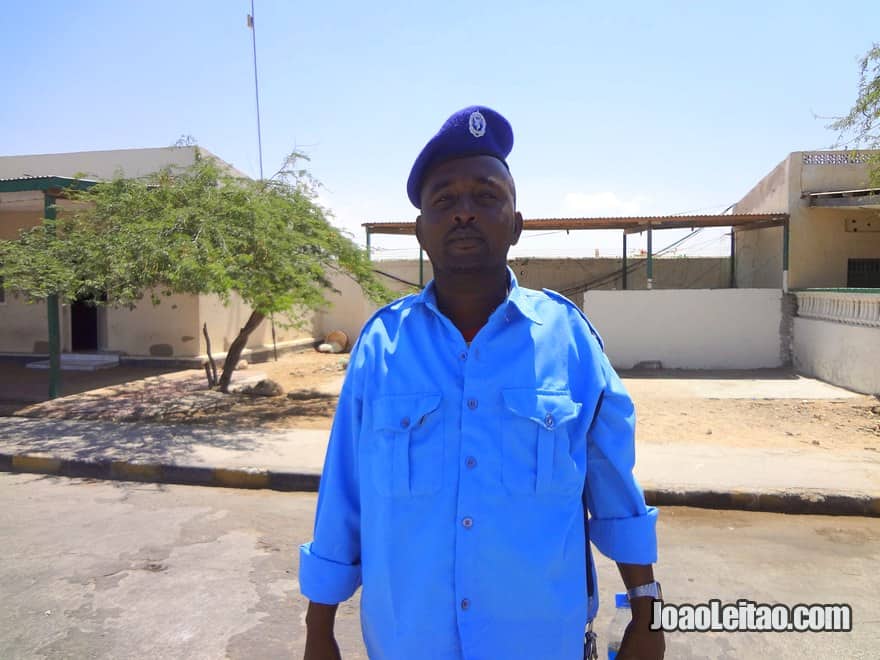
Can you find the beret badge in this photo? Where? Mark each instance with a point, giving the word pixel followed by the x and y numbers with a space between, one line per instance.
pixel 477 124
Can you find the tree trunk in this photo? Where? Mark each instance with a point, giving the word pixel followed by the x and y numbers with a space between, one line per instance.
pixel 210 365
pixel 237 347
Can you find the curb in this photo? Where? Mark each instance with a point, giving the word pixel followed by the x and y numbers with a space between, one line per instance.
pixel 187 475
pixel 779 501
pixel 791 502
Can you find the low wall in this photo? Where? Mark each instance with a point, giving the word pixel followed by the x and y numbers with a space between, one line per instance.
pixel 349 310
pixel 837 338
pixel 690 328
pixel 843 355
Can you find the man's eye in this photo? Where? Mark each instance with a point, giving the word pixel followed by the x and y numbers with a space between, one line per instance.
pixel 486 194
pixel 441 199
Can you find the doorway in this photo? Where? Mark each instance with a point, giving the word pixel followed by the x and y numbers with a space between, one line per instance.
pixel 84 332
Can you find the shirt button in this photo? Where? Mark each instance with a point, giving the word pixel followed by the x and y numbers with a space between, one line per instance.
pixel 463 355
pixel 549 421
pixel 404 423
pixel 467 523
pixel 471 462
pixel 465 603
pixel 472 404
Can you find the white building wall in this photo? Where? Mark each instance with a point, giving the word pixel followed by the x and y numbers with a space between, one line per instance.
pixel 689 329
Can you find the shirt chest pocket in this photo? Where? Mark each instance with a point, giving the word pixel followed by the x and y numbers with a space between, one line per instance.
pixel 536 442
pixel 406 448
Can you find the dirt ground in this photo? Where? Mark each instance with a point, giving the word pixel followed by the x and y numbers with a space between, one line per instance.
pixel 310 380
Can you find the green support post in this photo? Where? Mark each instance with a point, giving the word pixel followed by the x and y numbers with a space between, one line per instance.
pixel 624 259
pixel 732 258
pixel 368 243
pixel 650 259
pixel 52 315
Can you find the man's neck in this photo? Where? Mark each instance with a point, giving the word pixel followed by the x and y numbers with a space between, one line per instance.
pixel 468 299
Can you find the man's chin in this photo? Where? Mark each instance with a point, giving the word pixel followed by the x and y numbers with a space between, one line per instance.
pixel 474 266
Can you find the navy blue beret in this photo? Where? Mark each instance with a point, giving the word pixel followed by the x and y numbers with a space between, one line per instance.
pixel 473 131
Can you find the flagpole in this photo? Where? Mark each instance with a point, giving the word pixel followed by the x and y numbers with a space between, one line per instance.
pixel 251 25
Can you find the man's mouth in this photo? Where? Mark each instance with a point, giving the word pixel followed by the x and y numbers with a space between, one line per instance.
pixel 464 239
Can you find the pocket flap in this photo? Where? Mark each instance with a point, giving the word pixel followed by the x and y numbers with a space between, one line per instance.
pixel 545 407
pixel 400 412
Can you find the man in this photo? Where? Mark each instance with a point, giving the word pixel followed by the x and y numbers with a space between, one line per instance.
pixel 477 421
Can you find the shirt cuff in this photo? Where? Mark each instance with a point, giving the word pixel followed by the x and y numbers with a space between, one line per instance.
pixel 627 540
pixel 324 580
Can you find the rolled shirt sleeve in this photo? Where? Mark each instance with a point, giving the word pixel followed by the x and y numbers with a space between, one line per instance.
pixel 622 527
pixel 329 566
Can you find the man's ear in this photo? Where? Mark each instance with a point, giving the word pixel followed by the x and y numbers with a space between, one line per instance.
pixel 419 230
pixel 517 227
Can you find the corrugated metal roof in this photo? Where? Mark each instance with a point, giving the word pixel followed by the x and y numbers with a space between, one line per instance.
pixel 43 182
pixel 629 223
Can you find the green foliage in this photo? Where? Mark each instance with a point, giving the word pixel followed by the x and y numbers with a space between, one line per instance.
pixel 196 230
pixel 860 127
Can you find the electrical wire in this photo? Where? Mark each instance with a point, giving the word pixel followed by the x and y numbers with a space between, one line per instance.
pixel 398 279
pixel 609 277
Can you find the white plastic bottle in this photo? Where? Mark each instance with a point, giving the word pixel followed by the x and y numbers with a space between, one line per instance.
pixel 621 619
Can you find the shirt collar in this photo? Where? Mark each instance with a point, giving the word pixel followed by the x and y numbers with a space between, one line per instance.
pixel 516 297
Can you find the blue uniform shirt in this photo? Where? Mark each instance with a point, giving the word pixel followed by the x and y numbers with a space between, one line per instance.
pixel 456 477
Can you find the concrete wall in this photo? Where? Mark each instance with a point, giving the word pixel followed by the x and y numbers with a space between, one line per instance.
pixel 24 328
pixel 669 273
pixel 759 258
pixel 168 329
pixel 12 222
pixel 96 165
pixel 823 247
pixel 845 355
pixel 759 251
pixel 225 322
pixel 689 329
pixel 349 310
pixel 771 194
pixel 838 174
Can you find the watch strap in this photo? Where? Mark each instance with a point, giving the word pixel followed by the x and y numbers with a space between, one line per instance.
pixel 650 590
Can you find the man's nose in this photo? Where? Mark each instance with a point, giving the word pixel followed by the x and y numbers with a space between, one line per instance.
pixel 464 212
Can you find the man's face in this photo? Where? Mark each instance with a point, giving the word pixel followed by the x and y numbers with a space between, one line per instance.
pixel 469 218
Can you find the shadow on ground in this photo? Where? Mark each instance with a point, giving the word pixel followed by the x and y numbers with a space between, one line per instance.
pixel 20 385
pixel 711 374
pixel 133 442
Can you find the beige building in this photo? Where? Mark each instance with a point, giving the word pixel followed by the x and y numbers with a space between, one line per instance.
pixel 833 228
pixel 172 329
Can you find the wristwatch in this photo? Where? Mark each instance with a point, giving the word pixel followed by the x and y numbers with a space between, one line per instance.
pixel 650 590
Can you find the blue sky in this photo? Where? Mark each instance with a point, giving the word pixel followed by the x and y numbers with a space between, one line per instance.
pixel 633 108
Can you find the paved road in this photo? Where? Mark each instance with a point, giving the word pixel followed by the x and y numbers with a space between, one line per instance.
pixel 121 570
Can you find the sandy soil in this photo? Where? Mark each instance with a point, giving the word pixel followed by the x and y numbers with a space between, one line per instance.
pixel 829 424
pixel 310 380
pixel 835 423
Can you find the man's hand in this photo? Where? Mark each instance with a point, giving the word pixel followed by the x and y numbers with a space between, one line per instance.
pixel 321 648
pixel 320 642
pixel 641 643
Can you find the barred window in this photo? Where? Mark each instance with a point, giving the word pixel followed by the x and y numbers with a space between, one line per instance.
pixel 863 274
